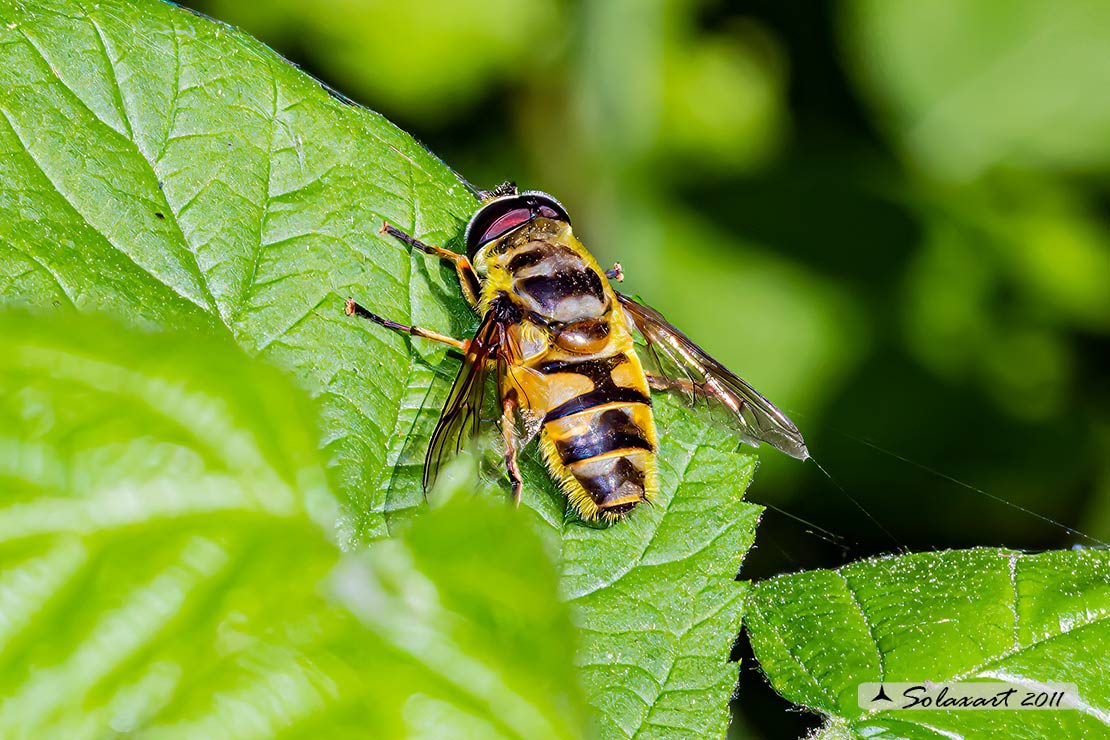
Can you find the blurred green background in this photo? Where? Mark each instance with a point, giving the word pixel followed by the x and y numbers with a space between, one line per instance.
pixel 890 216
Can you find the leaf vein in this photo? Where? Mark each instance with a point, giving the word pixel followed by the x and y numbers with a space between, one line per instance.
pixel 81 216
pixel 117 92
pixel 863 615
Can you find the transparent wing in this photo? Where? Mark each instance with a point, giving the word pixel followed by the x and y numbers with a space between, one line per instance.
pixel 700 378
pixel 462 414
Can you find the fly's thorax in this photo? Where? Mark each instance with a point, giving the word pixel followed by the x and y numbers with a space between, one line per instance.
pixel 552 276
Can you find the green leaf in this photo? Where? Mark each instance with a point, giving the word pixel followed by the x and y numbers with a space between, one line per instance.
pixel 168 170
pixel 161 167
pixel 470 599
pixel 994 96
pixel 165 571
pixel 656 600
pixel 978 614
pixel 654 597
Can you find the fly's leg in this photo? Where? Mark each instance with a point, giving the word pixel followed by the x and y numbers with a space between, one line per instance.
pixel 508 434
pixel 354 309
pixel 617 273
pixel 468 279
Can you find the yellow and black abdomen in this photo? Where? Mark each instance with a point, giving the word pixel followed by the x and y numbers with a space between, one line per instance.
pixel 601 444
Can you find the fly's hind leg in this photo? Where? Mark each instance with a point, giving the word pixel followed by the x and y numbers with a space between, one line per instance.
pixel 354 309
pixel 692 392
pixel 660 383
pixel 468 279
pixel 508 434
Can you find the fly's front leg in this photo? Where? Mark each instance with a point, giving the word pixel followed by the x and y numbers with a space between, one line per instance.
pixel 508 434
pixel 354 309
pixel 468 279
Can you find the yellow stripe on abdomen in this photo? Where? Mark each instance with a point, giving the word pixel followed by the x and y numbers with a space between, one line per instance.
pixel 604 457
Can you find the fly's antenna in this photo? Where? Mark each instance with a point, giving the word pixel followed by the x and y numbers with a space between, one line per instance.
pixel 506 188
pixel 944 476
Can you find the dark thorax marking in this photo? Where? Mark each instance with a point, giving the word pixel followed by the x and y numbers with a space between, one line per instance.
pixel 555 280
pixel 531 253
pixel 548 291
pixel 525 259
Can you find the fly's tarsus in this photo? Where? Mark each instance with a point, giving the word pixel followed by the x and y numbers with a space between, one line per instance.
pixel 355 309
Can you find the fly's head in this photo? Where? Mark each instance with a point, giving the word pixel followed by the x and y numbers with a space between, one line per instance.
pixel 505 214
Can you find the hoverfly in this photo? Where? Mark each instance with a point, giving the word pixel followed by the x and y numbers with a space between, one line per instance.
pixel 560 342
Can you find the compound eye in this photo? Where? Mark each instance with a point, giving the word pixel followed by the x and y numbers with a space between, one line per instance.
pixel 503 215
pixel 546 206
pixel 505 223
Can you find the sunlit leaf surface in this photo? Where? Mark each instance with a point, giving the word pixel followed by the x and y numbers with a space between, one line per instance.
pixel 167 566
pixel 655 599
pixel 970 615
pixel 170 171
